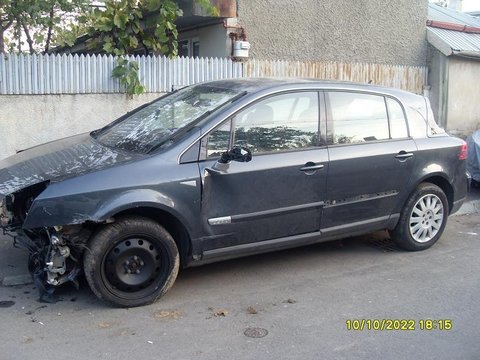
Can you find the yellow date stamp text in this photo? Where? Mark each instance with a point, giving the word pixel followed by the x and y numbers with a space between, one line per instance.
pixel 398 324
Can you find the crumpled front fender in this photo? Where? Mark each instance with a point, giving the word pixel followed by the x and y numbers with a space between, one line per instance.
pixel 132 199
pixel 78 209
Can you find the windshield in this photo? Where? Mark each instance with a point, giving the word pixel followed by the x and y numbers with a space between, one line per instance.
pixel 156 123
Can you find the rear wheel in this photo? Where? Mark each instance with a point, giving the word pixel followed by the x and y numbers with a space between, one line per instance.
pixel 131 262
pixel 423 218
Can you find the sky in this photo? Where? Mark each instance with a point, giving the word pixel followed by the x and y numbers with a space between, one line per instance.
pixel 471 5
pixel 467 5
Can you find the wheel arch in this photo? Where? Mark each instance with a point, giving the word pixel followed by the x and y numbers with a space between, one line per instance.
pixel 170 222
pixel 159 207
pixel 441 181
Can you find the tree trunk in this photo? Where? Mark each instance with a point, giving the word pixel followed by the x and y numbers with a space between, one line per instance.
pixel 49 35
pixel 29 38
pixel 18 29
pixel 2 42
pixel 3 28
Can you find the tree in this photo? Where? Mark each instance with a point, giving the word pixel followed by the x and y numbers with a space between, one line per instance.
pixel 38 22
pixel 124 26
pixel 117 27
pixel 443 3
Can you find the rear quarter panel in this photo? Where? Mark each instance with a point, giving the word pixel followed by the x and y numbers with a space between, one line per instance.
pixel 438 157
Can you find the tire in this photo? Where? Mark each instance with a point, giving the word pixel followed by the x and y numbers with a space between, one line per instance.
pixel 131 262
pixel 422 219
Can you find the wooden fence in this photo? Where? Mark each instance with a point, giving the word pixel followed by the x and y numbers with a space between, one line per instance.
pixel 74 74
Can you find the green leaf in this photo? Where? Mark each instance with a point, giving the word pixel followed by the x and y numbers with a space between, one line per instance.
pixel 148 43
pixel 163 38
pixel 133 42
pixel 164 49
pixel 119 71
pixel 104 27
pixel 120 20
pixel 108 47
pixel 38 38
pixel 136 28
pixel 139 89
pixel 152 5
pixel 208 7
pixel 134 65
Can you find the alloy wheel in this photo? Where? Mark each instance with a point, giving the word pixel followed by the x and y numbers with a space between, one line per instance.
pixel 426 218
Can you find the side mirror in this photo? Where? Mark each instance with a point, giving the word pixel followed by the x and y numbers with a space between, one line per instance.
pixel 240 154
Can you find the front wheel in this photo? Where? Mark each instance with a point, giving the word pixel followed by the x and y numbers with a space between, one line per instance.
pixel 422 219
pixel 131 262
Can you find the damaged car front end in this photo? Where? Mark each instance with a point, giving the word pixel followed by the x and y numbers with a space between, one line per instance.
pixel 45 207
pixel 62 200
pixel 54 253
pixel 54 249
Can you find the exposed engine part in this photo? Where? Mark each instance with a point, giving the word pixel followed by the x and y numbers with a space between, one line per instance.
pixel 6 216
pixel 53 256
pixel 57 262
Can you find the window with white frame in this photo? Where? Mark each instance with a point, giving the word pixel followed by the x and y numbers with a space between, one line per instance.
pixel 189 47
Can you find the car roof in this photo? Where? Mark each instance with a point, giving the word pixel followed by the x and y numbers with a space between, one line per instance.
pixel 254 85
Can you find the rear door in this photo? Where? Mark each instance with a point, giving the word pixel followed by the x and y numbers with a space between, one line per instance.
pixel 280 192
pixel 371 159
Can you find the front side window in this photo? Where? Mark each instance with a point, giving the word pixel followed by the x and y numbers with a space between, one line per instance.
pixel 279 123
pixel 219 140
pixel 357 118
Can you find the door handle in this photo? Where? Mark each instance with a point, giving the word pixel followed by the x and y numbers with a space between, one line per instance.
pixel 311 167
pixel 403 155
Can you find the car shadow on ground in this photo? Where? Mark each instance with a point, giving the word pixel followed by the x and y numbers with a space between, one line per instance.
pixel 246 269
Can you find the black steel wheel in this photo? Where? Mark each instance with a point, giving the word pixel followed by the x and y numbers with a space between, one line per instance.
pixel 131 262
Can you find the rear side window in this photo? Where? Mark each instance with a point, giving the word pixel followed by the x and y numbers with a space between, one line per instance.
pixel 357 118
pixel 417 117
pixel 398 125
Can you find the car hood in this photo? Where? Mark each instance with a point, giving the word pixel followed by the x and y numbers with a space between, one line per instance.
pixel 58 160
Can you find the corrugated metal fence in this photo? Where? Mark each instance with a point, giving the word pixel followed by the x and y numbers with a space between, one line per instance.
pixel 74 74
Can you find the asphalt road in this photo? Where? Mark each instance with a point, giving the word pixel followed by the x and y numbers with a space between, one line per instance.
pixel 302 298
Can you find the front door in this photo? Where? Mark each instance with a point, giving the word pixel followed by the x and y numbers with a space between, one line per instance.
pixel 280 192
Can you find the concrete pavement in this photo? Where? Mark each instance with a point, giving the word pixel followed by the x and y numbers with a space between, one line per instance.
pixel 301 297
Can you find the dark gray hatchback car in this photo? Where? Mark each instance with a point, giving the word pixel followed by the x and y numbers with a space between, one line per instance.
pixel 226 169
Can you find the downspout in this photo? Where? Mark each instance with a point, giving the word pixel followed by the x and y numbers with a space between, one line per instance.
pixel 238 33
pixel 444 93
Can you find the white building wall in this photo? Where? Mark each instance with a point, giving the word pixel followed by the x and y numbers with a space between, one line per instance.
pixel 214 40
pixel 29 120
pixel 463 109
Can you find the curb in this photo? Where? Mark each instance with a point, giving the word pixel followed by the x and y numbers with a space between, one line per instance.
pixel 469 208
pixel 14 280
